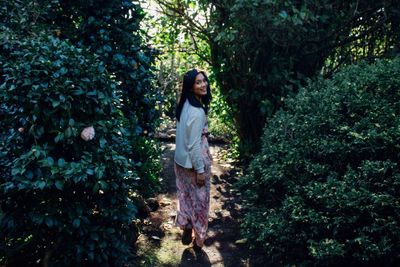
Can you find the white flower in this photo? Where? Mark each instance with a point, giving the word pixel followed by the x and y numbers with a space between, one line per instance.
pixel 87 134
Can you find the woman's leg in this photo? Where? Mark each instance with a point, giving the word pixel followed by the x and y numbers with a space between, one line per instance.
pixel 183 186
pixel 201 210
pixel 193 202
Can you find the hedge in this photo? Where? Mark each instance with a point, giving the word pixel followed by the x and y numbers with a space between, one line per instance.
pixel 325 189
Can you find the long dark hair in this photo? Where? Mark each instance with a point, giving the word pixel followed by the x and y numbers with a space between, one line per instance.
pixel 187 93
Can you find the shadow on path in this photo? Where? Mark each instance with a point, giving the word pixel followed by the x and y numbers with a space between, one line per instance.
pixel 192 258
pixel 160 240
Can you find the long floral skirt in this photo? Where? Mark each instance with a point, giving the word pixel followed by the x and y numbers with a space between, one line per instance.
pixel 193 202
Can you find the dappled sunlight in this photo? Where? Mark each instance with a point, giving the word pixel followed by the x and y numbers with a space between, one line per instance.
pixel 221 248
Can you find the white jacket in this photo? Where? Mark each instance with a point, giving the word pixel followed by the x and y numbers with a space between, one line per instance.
pixel 188 138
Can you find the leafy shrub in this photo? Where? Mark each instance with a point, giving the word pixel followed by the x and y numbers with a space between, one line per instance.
pixel 221 121
pixel 325 188
pixel 111 30
pixel 65 201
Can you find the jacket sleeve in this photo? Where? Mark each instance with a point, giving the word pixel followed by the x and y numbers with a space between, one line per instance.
pixel 193 131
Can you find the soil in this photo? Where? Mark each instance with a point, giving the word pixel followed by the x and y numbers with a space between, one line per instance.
pixel 160 241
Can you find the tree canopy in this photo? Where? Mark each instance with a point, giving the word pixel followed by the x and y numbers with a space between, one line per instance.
pixel 262 51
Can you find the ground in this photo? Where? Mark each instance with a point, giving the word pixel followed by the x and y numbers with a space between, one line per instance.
pixel 160 241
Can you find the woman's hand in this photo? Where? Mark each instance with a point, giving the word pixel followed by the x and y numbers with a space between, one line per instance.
pixel 200 179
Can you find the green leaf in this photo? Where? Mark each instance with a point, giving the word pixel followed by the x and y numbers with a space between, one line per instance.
pixel 39 131
pixel 79 249
pixel 101 68
pixel 50 161
pixel 110 230
pixel 78 92
pixel 61 162
pixel 96 188
pixel 29 174
pixel 91 256
pixel 55 103
pixel 94 236
pixel 59 184
pixel 99 173
pixel 63 71
pixel 68 132
pixel 59 137
pixel 76 223
pixel 92 93
pixel 15 171
pixel 283 14
pixel 49 221
pixel 103 185
pixel 102 142
pixel 41 184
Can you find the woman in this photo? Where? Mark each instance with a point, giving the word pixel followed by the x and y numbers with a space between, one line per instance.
pixel 193 158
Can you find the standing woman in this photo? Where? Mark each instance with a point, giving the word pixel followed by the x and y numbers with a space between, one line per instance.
pixel 193 158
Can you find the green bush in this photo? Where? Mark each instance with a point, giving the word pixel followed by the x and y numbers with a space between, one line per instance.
pixel 111 30
pixel 325 189
pixel 65 201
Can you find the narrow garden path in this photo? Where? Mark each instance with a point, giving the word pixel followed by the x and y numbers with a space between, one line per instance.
pixel 160 244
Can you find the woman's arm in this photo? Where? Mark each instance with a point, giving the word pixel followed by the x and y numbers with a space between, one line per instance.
pixel 193 131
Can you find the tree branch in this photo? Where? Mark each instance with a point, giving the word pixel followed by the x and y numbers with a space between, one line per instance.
pixel 179 12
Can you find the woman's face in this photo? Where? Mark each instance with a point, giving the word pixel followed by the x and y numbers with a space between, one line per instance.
pixel 200 86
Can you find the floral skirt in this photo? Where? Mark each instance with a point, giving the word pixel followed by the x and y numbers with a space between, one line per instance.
pixel 193 202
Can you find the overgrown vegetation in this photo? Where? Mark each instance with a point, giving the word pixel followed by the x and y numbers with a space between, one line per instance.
pixel 324 189
pixel 263 51
pixel 68 199
pixel 179 51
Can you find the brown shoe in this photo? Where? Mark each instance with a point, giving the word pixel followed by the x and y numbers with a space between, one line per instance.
pixel 187 236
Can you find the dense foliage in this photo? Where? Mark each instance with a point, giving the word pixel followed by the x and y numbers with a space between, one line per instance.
pixel 180 51
pixel 325 188
pixel 261 51
pixel 58 190
pixel 111 30
pixel 66 66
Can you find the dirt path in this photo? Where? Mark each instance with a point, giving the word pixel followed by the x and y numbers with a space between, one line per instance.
pixel 160 244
